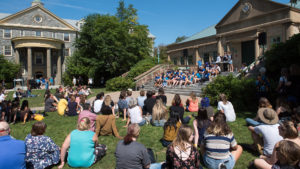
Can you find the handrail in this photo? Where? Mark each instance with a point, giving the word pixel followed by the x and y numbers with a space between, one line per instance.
pixel 250 67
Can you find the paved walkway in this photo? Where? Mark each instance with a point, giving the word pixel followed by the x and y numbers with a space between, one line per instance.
pixel 135 94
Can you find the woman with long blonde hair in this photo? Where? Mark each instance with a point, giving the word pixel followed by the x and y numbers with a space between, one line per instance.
pixel 83 150
pixel 182 153
pixel 225 106
pixel 159 114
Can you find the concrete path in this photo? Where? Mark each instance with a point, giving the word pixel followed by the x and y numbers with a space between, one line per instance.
pixel 115 97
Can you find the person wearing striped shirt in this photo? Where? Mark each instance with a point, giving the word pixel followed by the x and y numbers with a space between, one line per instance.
pixel 219 147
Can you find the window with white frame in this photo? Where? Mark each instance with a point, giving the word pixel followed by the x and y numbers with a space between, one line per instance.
pixel 38 33
pixel 53 34
pixel 7 33
pixel 67 37
pixel 67 52
pixel 7 50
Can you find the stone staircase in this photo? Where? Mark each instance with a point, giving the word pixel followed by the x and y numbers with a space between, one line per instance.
pixel 196 88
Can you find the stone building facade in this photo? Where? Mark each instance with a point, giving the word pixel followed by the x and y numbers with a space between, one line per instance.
pixel 38 40
pixel 239 32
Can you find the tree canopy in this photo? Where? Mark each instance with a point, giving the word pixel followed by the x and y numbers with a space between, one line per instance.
pixel 8 70
pixel 108 46
pixel 180 38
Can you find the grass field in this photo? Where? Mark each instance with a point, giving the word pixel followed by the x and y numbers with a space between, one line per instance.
pixel 59 127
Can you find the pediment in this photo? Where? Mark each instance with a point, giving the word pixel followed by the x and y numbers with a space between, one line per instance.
pixel 37 17
pixel 246 9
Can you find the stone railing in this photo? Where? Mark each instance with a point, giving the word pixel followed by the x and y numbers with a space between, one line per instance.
pixel 149 75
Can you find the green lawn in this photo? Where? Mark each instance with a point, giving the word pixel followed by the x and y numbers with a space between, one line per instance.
pixel 39 100
pixel 59 127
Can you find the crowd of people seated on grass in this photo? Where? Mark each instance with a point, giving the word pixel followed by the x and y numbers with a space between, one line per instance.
pixel 275 131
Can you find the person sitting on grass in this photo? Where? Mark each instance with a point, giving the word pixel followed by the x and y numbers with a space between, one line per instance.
pixel 131 154
pixel 181 153
pixel 219 147
pixel 159 114
pixel 122 104
pixel 171 129
pixel 14 110
pixel 72 107
pixel 98 102
pixel 226 107
pixel 141 99
pixel 200 124
pixel 262 103
pixel 87 113
pixel 106 122
pixel 288 154
pixel 149 103
pixel 289 132
pixel 50 106
pixel 42 152
pixel 209 109
pixel 178 107
pixel 83 150
pixel 25 112
pixel 269 132
pixel 193 103
pixel 161 95
pixel 135 114
pixel 62 105
pixel 13 151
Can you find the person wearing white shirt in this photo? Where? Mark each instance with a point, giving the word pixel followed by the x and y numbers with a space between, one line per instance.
pixel 226 107
pixel 98 103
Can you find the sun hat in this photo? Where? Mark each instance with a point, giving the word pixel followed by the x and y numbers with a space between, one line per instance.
pixel 268 116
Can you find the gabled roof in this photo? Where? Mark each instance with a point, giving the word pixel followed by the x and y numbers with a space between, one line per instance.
pixel 239 2
pixel 210 31
pixel 6 17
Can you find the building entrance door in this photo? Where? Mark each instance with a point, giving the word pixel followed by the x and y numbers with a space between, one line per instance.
pixel 248 52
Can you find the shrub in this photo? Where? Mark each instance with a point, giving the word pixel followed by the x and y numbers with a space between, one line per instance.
pixel 241 92
pixel 119 83
pixel 141 67
pixel 282 55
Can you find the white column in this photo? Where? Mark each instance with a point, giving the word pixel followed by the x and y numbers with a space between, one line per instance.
pixel 220 47
pixel 48 62
pixel 59 70
pixel 17 56
pixel 29 63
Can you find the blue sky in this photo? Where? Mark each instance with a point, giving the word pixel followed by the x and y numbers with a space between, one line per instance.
pixel 167 19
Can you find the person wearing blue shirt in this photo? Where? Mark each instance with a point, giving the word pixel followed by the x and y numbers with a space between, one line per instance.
pixel 199 63
pixel 13 151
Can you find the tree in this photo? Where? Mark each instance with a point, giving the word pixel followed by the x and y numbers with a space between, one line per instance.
pixel 128 15
pixel 106 48
pixel 180 38
pixel 293 3
pixel 8 70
